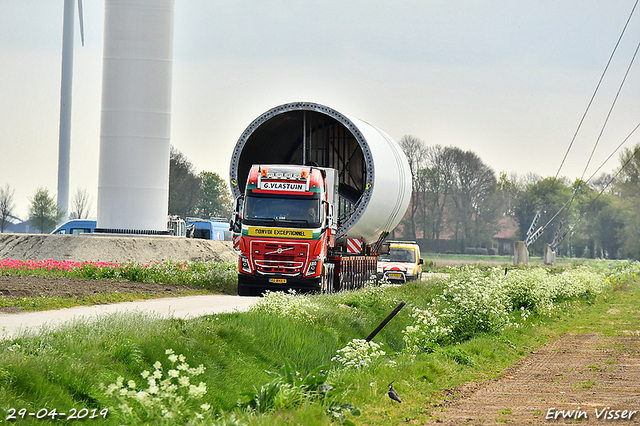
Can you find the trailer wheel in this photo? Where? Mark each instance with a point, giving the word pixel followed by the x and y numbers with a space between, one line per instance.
pixel 331 278
pixel 327 278
pixel 339 286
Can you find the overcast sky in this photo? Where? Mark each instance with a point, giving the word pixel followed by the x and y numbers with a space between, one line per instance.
pixel 509 80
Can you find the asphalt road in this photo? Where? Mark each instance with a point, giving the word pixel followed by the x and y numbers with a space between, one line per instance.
pixel 177 307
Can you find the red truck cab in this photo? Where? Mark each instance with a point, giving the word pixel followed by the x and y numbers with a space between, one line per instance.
pixel 284 227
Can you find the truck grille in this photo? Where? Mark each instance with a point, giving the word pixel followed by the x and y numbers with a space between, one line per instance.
pixel 276 258
pixel 279 267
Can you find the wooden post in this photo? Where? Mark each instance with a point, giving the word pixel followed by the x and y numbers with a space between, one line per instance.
pixel 385 321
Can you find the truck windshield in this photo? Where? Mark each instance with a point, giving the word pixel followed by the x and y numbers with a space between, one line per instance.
pixel 292 211
pixel 398 255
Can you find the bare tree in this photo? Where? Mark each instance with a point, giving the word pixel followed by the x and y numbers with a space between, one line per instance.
pixel 459 192
pixel 6 206
pixel 602 182
pixel 80 205
pixel 441 184
pixel 416 153
pixel 508 188
pixel 475 187
pixel 530 179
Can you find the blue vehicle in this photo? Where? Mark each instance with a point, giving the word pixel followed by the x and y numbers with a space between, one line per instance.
pixel 76 226
pixel 208 229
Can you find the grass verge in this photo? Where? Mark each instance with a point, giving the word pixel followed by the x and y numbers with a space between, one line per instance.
pixel 282 355
pixel 43 303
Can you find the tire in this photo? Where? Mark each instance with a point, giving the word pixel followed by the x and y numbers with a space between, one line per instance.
pixel 331 278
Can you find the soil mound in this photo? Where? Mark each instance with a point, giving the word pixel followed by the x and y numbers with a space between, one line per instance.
pixel 93 247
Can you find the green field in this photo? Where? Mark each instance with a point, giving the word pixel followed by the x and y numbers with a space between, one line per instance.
pixel 442 259
pixel 467 327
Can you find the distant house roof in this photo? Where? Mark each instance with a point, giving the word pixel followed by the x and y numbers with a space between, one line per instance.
pixel 508 228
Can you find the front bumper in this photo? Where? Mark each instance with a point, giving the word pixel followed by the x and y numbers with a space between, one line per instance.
pixel 252 284
pixel 396 276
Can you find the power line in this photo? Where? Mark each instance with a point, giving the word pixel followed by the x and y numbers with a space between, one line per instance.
pixel 616 175
pixel 596 90
pixel 604 188
pixel 612 154
pixel 610 110
pixel 575 191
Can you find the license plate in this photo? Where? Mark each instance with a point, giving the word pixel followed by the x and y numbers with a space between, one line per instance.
pixel 392 275
pixel 278 280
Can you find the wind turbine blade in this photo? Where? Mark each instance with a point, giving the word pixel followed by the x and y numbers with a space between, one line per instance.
pixel 81 21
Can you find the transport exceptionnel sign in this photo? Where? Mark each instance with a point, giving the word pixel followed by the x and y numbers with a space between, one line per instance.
pixel 283 186
pixel 255 231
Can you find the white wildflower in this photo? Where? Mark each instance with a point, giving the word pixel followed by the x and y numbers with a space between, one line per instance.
pixel 358 354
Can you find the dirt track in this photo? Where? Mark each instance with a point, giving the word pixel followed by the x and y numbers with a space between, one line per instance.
pixel 576 374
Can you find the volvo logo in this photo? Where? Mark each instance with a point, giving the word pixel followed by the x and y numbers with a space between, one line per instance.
pixel 280 250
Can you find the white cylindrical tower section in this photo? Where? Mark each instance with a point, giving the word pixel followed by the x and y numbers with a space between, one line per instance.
pixel 374 176
pixel 133 180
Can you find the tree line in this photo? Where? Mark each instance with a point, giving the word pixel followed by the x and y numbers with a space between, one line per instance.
pixel 192 194
pixel 203 194
pixel 458 199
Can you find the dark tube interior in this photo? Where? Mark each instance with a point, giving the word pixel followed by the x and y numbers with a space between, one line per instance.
pixel 328 143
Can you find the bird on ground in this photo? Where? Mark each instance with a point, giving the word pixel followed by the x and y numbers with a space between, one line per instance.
pixel 392 393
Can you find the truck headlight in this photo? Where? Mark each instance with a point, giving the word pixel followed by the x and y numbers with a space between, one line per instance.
pixel 245 266
pixel 313 267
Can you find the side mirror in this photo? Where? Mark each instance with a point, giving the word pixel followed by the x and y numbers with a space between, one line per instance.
pixel 328 211
pixel 235 224
pixel 421 261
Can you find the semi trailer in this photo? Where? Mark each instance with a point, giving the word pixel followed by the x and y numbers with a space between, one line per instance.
pixel 316 193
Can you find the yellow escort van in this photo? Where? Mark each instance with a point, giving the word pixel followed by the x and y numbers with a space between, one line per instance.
pixel 401 263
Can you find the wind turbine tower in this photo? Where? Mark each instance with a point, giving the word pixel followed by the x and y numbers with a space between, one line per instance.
pixel 64 148
pixel 133 175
